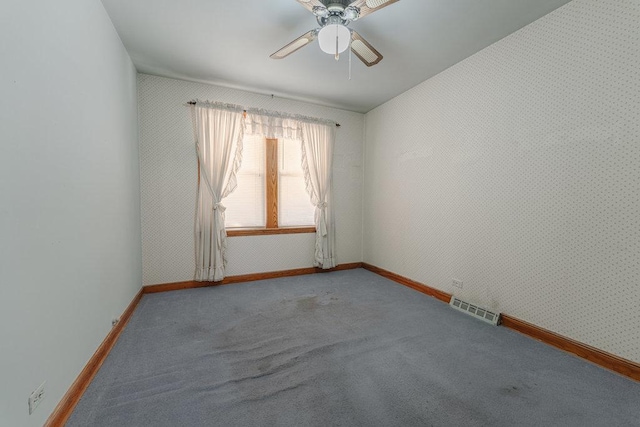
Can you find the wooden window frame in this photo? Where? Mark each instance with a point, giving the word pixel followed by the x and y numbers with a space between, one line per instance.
pixel 272 183
pixel 271 201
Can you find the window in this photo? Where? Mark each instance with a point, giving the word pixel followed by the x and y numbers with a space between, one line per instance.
pixel 245 205
pixel 295 208
pixel 271 194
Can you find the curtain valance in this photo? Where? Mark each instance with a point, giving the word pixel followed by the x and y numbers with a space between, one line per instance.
pixel 217 105
pixel 275 124
pixel 270 124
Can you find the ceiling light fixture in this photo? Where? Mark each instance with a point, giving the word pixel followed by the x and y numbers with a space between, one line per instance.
pixel 333 33
pixel 334 39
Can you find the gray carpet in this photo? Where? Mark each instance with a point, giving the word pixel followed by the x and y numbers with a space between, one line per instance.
pixel 339 349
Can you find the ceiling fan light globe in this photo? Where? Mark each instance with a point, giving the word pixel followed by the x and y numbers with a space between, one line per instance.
pixel 351 13
pixel 320 11
pixel 327 38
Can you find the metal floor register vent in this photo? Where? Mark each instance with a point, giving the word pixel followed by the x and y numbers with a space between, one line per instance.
pixel 475 311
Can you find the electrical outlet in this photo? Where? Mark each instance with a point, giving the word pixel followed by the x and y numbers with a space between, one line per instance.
pixel 457 283
pixel 35 398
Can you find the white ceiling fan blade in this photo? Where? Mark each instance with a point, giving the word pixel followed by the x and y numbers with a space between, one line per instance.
pixel 363 50
pixel 369 6
pixel 298 43
pixel 309 4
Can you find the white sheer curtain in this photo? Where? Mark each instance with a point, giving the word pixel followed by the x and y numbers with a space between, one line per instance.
pixel 317 162
pixel 218 130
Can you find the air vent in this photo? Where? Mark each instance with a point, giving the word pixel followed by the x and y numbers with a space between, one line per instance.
pixel 475 311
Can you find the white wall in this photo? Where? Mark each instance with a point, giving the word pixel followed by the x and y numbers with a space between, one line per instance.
pixel 70 256
pixel 168 171
pixel 517 171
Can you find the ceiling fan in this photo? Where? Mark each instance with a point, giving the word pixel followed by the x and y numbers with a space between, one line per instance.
pixel 334 36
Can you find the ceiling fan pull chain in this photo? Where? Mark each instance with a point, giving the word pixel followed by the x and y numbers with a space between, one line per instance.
pixel 337 39
pixel 350 40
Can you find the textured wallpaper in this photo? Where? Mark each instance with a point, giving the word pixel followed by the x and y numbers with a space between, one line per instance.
pixel 517 171
pixel 168 179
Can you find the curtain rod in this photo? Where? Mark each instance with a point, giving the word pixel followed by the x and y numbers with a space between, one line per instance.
pixel 245 111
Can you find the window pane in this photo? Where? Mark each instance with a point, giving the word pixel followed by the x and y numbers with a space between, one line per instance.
pixel 245 206
pixel 294 205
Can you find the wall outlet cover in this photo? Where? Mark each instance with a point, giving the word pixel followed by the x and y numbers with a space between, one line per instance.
pixel 35 398
pixel 457 283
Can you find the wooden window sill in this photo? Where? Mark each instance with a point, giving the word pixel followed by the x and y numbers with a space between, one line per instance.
pixel 235 232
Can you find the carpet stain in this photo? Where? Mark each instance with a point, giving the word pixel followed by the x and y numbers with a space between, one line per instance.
pixel 510 391
pixel 196 329
pixel 307 303
pixel 264 366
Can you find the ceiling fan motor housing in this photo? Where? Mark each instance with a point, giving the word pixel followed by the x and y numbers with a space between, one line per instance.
pixel 336 13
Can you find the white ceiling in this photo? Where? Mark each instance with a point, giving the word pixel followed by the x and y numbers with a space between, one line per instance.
pixel 228 42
